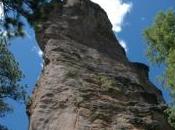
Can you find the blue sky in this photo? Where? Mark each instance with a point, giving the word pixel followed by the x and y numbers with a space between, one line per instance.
pixel 141 16
pixel 129 18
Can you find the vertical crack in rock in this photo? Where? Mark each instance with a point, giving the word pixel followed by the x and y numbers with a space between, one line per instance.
pixel 87 82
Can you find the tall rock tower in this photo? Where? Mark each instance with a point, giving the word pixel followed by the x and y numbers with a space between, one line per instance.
pixel 87 82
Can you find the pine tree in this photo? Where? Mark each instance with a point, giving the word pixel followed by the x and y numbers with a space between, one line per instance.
pixel 10 77
pixel 11 25
pixel 160 37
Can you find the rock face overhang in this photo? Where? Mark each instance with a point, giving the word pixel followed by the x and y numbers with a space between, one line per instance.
pixel 87 82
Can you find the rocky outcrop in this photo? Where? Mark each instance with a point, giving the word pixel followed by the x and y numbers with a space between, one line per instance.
pixel 87 82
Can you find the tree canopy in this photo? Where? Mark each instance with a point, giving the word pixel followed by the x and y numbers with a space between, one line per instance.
pixel 16 10
pixel 160 37
pixel 11 25
pixel 10 77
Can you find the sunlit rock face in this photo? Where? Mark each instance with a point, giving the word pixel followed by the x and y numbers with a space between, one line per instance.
pixel 87 82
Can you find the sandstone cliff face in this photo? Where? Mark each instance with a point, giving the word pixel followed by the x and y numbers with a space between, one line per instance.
pixel 87 82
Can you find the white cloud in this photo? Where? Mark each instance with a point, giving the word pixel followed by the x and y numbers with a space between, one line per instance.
pixel 1 11
pixel 38 51
pixel 41 64
pixel 124 45
pixel 116 11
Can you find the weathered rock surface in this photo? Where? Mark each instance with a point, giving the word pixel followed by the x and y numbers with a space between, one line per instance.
pixel 87 82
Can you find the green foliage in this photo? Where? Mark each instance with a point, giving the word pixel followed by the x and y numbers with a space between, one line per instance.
pixel 10 74
pixel 160 38
pixel 3 128
pixel 72 73
pixel 105 82
pixel 170 115
pixel 161 50
pixel 16 10
pixel 11 25
pixel 10 77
